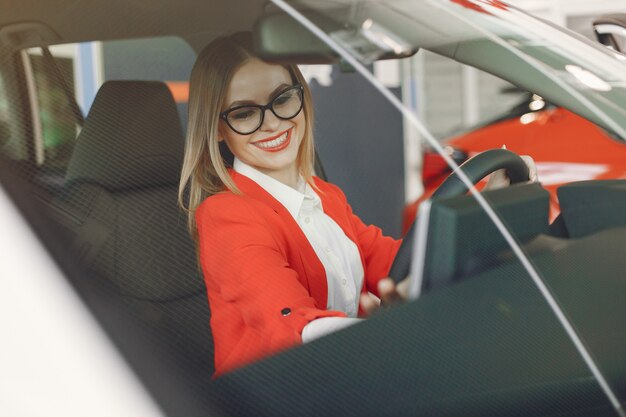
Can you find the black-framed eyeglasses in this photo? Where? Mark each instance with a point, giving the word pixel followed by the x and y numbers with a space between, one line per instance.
pixel 248 118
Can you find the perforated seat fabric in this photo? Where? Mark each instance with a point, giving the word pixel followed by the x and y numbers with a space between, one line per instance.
pixel 139 267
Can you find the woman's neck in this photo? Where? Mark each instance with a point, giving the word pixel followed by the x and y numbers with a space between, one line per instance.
pixel 290 176
pixel 287 177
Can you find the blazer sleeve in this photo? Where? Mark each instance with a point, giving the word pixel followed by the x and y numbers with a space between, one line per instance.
pixel 246 267
pixel 378 251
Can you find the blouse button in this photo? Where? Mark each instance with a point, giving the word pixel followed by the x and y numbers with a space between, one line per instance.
pixel 307 219
pixel 285 311
pixel 343 281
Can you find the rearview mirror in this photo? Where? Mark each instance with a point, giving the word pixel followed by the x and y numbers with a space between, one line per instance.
pixel 280 38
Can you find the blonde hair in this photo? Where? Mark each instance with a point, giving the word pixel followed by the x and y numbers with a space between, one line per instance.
pixel 204 170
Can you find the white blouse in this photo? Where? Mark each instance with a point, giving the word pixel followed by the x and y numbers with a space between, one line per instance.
pixel 338 254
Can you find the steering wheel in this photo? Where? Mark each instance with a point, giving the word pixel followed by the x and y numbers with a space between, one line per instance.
pixel 476 169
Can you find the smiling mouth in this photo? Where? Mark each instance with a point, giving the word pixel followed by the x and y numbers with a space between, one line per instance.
pixel 276 143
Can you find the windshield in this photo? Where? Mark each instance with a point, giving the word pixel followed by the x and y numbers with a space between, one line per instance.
pixel 502 40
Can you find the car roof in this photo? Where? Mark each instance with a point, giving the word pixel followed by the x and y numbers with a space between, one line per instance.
pixel 25 23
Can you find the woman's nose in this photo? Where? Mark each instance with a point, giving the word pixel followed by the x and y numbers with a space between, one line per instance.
pixel 270 121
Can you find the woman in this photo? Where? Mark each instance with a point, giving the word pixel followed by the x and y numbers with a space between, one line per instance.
pixel 284 258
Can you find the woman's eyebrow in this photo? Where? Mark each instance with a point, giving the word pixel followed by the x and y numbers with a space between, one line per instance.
pixel 278 89
pixel 271 95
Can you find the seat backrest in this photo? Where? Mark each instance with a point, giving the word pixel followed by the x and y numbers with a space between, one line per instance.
pixel 138 265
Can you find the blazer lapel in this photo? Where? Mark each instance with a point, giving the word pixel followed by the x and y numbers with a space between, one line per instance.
pixel 310 266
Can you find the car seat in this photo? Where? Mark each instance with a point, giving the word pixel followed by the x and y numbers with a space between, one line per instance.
pixel 135 263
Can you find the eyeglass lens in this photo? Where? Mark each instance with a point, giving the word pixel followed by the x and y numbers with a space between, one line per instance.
pixel 248 119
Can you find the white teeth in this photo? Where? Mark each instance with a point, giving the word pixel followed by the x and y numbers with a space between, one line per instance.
pixel 272 143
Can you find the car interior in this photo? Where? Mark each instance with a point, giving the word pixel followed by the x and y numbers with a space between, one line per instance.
pixel 119 203
pixel 112 219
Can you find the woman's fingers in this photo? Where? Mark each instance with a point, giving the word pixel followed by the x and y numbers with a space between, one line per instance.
pixel 532 168
pixel 368 303
pixel 403 289
pixel 390 293
pixel 498 179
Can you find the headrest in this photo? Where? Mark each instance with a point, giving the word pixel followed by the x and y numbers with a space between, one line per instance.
pixel 132 138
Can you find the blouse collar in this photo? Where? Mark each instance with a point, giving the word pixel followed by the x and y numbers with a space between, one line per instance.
pixel 292 199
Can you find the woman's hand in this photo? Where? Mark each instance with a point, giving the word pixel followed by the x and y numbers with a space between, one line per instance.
pixel 390 293
pixel 499 179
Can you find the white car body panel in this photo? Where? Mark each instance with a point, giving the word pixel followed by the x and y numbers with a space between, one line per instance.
pixel 56 360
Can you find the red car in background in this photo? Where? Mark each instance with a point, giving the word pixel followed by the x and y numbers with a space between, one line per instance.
pixel 542 131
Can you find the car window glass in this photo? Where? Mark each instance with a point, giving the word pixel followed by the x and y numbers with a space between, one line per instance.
pixel 44 127
pixel 457 96
pixel 446 239
pixel 5 117
pixel 480 339
pixel 59 126
pixel 11 114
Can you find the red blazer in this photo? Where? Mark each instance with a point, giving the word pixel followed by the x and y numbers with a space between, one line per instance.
pixel 263 278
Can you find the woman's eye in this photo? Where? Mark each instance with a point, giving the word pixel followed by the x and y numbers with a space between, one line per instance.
pixel 242 114
pixel 282 99
pixel 285 98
